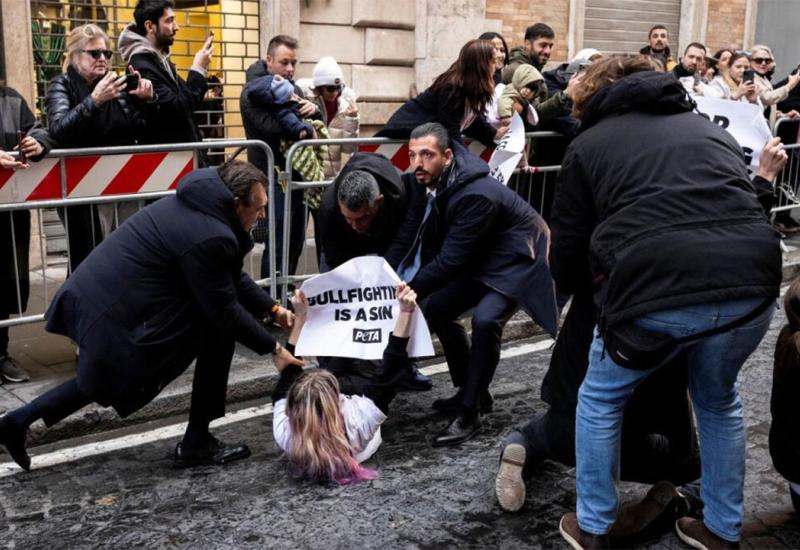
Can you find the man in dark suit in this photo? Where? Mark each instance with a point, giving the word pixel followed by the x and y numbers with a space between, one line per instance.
pixel 469 242
pixel 145 45
pixel 166 288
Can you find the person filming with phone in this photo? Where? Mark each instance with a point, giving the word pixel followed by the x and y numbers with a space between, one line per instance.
pixel 89 105
pixel 145 46
pixel 737 81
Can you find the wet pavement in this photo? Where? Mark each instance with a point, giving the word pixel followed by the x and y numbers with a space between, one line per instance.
pixel 424 497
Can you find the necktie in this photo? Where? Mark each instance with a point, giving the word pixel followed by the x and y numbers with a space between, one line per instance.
pixel 407 272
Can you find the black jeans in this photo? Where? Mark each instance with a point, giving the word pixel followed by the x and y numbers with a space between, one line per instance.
pixel 471 366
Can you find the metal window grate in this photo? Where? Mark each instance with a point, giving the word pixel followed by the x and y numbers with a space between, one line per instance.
pixel 235 24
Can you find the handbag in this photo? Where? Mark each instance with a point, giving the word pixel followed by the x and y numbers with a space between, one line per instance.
pixel 637 348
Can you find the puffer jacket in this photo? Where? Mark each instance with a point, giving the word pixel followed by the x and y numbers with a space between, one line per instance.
pixel 342 126
pixel 524 76
pixel 646 232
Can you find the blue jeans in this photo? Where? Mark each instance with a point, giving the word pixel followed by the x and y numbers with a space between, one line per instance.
pixel 714 363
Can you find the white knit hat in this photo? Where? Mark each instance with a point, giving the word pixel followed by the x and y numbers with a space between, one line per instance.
pixel 327 73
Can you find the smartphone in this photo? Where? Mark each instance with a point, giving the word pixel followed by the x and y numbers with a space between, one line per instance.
pixel 697 78
pixel 131 82
pixel 749 76
pixel 22 134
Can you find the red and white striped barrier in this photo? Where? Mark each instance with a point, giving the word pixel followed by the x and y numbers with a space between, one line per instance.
pixel 397 153
pixel 95 176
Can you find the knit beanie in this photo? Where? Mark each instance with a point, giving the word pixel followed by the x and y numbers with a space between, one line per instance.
pixel 327 73
pixel 282 90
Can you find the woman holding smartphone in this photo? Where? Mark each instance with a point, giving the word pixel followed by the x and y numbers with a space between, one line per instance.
pixel 88 106
pixel 736 82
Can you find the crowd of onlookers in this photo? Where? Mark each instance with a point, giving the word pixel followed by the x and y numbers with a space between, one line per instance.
pixel 368 208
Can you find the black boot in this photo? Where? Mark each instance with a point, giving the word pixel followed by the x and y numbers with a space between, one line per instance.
pixel 462 428
pixel 453 404
pixel 214 452
pixel 13 438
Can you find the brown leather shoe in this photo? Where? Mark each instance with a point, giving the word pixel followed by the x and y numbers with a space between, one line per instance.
pixel 577 537
pixel 694 533
pixel 650 517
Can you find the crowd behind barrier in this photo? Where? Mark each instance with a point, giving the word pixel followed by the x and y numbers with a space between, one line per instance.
pixel 56 187
pixel 535 183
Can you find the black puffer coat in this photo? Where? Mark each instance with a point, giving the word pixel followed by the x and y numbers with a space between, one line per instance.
pixel 339 241
pixel 655 207
pixel 140 302
pixel 75 120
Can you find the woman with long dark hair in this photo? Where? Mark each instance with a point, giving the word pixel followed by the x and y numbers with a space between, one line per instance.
pixel 500 53
pixel 457 99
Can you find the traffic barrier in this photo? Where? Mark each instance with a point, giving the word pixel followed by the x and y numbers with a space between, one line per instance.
pixel 111 176
pixel 787 185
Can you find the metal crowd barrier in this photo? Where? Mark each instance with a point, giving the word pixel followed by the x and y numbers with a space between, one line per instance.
pixel 62 180
pixel 524 183
pixel 787 186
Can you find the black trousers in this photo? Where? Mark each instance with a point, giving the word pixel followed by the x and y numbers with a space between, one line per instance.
pixel 354 375
pixel 209 386
pixel 471 364
pixel 84 231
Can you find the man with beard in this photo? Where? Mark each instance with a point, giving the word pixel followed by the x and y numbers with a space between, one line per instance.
pixel 693 61
pixel 144 45
pixel 659 47
pixel 469 243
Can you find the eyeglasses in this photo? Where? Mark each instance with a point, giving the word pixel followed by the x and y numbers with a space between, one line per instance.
pixel 97 53
pixel 762 60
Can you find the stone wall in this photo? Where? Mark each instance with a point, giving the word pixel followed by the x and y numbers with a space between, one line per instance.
pixel 373 41
pixel 726 20
pixel 517 15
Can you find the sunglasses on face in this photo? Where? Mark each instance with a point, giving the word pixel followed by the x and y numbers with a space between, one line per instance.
pixel 762 60
pixel 96 54
pixel 330 89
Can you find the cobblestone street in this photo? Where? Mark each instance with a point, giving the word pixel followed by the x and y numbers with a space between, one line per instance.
pixel 424 498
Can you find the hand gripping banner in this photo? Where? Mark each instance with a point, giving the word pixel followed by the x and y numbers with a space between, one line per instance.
pixel 353 309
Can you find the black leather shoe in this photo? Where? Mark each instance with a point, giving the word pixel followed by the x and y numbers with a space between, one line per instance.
pixel 13 438
pixel 452 405
pixel 415 381
pixel 459 430
pixel 649 518
pixel 214 453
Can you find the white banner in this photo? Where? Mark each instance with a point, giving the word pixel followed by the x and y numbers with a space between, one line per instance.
pixel 508 152
pixel 353 309
pixel 744 121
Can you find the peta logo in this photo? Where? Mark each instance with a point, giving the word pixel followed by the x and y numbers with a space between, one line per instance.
pixel 368 336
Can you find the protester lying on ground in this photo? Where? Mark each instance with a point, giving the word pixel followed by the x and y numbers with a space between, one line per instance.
pixel 20 132
pixel 164 289
pixel 676 262
pixel 457 99
pixel 731 84
pixel 88 105
pixel 326 434
pixel 469 243
pixel 784 432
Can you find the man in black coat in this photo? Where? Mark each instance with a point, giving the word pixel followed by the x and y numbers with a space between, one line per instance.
pixel 669 253
pixel 261 122
pixel 166 288
pixel 364 218
pixel 470 242
pixel 145 45
pixel 360 215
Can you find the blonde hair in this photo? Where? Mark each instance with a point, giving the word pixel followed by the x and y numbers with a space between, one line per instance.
pixel 77 39
pixel 318 446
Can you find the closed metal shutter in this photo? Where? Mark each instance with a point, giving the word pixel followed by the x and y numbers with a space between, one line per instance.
pixel 620 26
